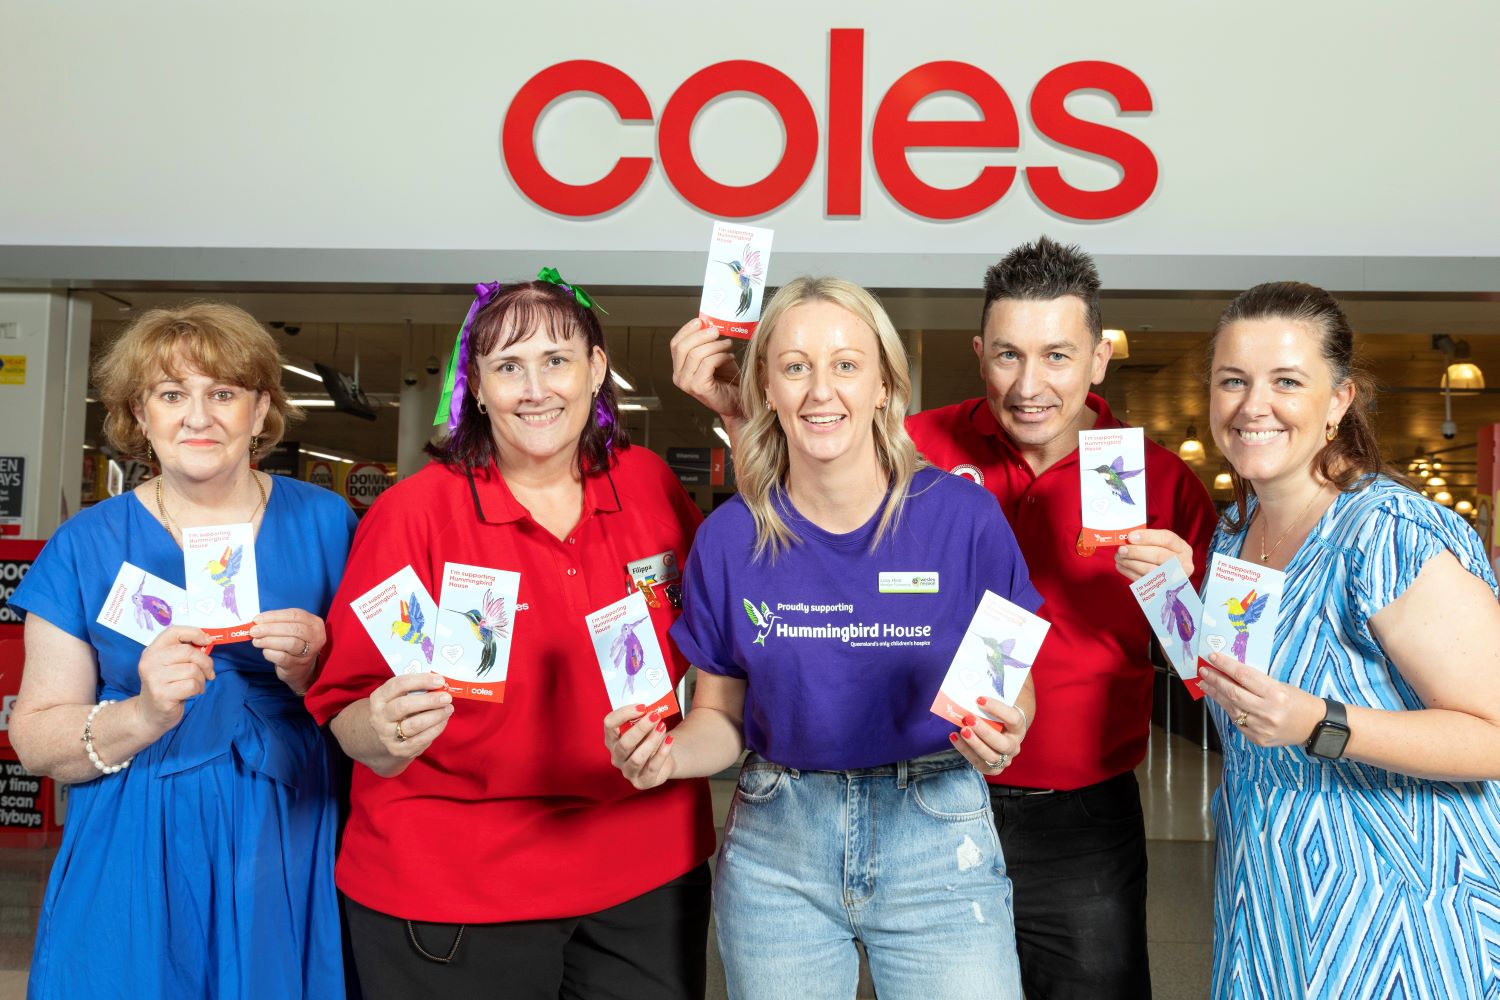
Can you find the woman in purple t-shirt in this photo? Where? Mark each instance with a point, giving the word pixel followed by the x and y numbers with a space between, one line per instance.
pixel 860 815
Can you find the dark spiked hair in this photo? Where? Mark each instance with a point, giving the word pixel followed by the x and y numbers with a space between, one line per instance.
pixel 1353 455
pixel 1042 271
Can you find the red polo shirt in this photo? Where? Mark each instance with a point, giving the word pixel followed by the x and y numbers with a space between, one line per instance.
pixel 1093 675
pixel 515 812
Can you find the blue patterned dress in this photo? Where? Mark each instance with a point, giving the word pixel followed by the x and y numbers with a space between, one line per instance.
pixel 1339 879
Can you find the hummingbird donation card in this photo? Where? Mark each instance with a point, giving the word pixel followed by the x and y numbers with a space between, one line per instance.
pixel 635 672
pixel 474 628
pixel 398 615
pixel 223 592
pixel 992 661
pixel 735 283
pixel 1171 605
pixel 1112 485
pixel 1241 604
pixel 140 605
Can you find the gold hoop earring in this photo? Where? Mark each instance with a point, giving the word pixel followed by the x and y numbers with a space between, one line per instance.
pixel 1333 431
pixel 480 403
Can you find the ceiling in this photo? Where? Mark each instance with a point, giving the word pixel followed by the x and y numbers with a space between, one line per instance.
pixel 1160 386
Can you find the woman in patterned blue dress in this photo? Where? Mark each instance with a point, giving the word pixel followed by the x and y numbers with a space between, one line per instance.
pixel 1361 861
pixel 204 868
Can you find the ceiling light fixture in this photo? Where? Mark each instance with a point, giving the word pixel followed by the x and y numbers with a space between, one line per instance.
pixel 621 382
pixel 1120 341
pixel 1443 497
pixel 1464 507
pixel 1223 481
pixel 1191 449
pixel 303 372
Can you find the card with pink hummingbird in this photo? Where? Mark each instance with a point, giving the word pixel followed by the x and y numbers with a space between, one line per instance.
pixel 475 626
pixel 1172 608
pixel 734 285
pixel 140 605
pixel 630 657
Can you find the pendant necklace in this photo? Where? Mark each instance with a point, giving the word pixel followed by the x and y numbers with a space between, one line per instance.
pixel 171 525
pixel 1265 553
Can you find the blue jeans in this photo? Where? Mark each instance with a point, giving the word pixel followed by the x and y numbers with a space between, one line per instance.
pixel 902 858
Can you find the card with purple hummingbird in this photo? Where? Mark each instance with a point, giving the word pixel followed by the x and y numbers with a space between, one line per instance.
pixel 398 613
pixel 1171 606
pixel 992 661
pixel 140 605
pixel 735 283
pixel 630 658
pixel 223 591
pixel 1112 484
pixel 1241 605
pixel 475 623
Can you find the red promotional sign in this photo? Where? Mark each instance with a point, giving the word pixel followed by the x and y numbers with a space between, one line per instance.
pixel 893 134
pixel 365 482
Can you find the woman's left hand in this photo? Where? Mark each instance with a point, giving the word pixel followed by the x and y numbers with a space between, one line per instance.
pixel 1267 712
pixel 989 749
pixel 291 640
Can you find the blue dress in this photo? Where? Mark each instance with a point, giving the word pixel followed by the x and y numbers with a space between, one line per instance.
pixel 205 869
pixel 1339 879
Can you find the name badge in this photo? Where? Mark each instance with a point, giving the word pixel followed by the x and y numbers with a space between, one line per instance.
pixel 908 583
pixel 653 570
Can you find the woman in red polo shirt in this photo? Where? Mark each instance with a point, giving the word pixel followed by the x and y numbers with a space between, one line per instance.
pixel 492 848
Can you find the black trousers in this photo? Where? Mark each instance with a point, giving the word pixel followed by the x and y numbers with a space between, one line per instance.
pixel 654 946
pixel 1077 864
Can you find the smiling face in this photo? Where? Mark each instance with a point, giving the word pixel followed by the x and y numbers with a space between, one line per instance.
pixel 1272 399
pixel 200 427
pixel 1038 358
pixel 539 393
pixel 823 379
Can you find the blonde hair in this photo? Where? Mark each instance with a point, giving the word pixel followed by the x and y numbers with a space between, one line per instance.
pixel 761 460
pixel 222 341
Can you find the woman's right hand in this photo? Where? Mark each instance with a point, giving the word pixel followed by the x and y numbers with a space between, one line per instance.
pixel 643 752
pixel 1148 549
pixel 174 668
pixel 409 711
pixel 703 366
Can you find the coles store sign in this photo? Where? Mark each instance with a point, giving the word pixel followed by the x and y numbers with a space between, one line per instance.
pixel 892 134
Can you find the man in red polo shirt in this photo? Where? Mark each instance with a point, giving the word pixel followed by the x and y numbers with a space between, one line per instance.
pixel 1068 810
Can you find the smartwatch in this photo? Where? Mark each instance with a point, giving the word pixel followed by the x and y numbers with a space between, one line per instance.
pixel 1330 736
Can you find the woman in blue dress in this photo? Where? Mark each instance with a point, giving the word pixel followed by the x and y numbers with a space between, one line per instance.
pixel 1359 816
pixel 197 856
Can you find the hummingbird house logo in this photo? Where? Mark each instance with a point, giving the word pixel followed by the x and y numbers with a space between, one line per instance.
pixel 761 619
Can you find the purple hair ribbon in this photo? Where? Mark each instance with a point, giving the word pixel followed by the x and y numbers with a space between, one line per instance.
pixel 456 382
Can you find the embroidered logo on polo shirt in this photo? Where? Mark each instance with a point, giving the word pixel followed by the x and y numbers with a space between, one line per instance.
pixel 970 472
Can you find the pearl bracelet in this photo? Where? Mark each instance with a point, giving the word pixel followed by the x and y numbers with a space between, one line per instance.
pixel 88 743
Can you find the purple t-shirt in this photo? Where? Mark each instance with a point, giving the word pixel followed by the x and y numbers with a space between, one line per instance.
pixel 840 668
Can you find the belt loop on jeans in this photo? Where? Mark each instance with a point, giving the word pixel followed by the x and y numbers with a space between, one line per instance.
pixel 901 773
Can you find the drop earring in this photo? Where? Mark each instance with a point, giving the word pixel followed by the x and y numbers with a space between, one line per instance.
pixel 254 444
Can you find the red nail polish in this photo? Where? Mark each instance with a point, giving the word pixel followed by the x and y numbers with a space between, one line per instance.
pixel 661 727
pixel 968 720
pixel 983 701
pixel 668 741
pixel 640 708
pixel 952 737
pixel 968 733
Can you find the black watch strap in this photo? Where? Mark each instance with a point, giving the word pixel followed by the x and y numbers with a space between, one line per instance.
pixel 1330 736
pixel 1334 713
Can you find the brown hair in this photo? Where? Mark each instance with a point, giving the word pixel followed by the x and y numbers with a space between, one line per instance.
pixel 1353 455
pixel 512 316
pixel 1043 271
pixel 219 340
